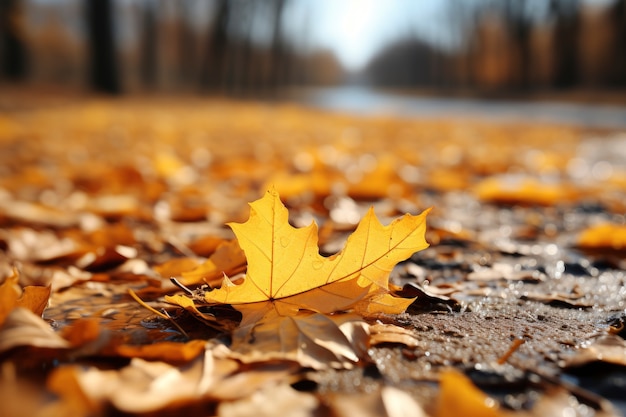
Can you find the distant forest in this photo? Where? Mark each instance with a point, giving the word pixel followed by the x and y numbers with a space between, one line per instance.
pixel 505 48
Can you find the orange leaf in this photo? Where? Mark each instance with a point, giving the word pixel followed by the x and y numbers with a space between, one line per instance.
pixel 458 396
pixel 163 351
pixel 8 296
pixel 33 298
pixel 176 267
pixel 522 190
pixel 227 259
pixel 603 236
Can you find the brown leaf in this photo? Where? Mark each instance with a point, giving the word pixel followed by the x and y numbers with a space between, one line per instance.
pixel 389 333
pixel 314 340
pixel 607 348
pixel 272 400
pixel 388 401
pixel 23 328
pixel 144 386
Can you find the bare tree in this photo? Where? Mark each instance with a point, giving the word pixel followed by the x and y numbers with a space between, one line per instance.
pixel 13 57
pixel 102 53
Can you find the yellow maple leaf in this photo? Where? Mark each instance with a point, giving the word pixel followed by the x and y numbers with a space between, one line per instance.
pixel 287 274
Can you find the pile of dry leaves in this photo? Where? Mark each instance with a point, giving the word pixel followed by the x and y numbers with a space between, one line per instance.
pixel 135 278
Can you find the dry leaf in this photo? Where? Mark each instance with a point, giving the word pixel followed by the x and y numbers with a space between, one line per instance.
pixel 286 270
pixel 163 351
pixel 9 294
pixel 32 298
pixel 176 267
pixel 227 259
pixel 35 299
pixel 24 328
pixel 608 348
pixel 388 401
pixel 274 400
pixel 314 340
pixel 143 386
pixel 389 333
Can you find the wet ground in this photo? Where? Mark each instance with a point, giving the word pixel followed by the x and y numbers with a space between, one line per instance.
pixel 96 197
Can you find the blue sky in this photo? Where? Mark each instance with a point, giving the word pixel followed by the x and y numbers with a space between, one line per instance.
pixel 356 29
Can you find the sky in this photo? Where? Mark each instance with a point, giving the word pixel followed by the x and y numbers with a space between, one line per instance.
pixel 356 29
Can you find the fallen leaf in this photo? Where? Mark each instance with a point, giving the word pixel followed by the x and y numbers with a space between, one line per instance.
pixel 249 378
pixel 32 213
pixel 9 294
pixel 170 352
pixel 458 396
pixel 228 259
pixel 205 245
pixel 512 189
pixel 389 333
pixel 176 267
pixel 501 270
pixel 608 348
pixel 400 404
pixel 32 298
pixel 286 270
pixel 142 386
pixel 72 400
pixel 273 400
pixel 23 328
pixel 603 236
pixel 35 299
pixel 82 331
pixel 313 340
pixel 189 305
pixel 574 299
pixel 388 401
pixel 429 298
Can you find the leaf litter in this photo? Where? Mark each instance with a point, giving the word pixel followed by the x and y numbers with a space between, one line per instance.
pixel 518 291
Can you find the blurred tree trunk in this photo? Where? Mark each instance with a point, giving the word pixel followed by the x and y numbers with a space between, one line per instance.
pixel 567 31
pixel 13 58
pixel 103 61
pixel 520 29
pixel 186 47
pixel 278 62
pixel 149 46
pixel 618 17
pixel 213 63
